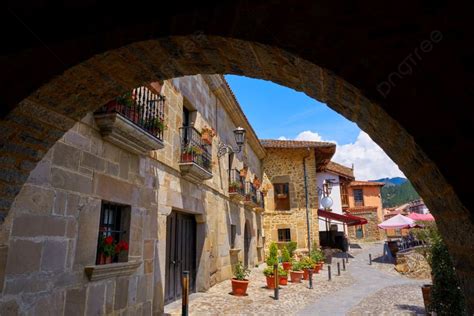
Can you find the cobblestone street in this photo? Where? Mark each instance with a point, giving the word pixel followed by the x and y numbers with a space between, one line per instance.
pixel 361 290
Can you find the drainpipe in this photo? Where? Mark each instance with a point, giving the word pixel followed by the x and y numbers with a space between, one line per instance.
pixel 307 201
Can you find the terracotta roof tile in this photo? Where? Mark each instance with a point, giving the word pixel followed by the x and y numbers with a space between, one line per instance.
pixel 362 209
pixel 277 143
pixel 340 169
pixel 366 183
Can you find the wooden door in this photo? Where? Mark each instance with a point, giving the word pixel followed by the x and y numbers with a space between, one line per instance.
pixel 180 253
pixel 247 239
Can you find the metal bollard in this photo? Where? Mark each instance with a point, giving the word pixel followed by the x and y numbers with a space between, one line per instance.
pixel 347 257
pixel 185 294
pixel 343 265
pixel 338 269
pixel 329 273
pixel 370 259
pixel 277 288
pixel 310 271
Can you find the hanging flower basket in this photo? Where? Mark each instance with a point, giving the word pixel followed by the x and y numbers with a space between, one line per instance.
pixel 243 172
pixel 207 134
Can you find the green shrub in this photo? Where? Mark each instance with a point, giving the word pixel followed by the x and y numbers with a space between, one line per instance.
pixel 446 295
pixel 306 263
pixel 272 255
pixel 317 255
pixel 285 255
pixel 292 245
pixel 240 271
pixel 282 272
pixel 296 266
pixel 268 271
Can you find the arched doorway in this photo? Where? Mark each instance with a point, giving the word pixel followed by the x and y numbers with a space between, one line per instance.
pixel 247 241
pixel 52 106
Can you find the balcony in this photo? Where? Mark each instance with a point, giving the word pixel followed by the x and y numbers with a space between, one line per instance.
pixel 251 195
pixel 134 121
pixel 260 202
pixel 236 186
pixel 195 160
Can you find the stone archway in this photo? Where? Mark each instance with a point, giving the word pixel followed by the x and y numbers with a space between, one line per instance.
pixel 38 121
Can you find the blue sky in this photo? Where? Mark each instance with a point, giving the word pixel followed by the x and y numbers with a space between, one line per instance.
pixel 279 112
pixel 291 112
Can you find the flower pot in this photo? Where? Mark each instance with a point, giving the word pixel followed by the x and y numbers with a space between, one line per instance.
pixel 185 157
pixel 239 287
pixel 296 276
pixel 283 280
pixel 426 291
pixel 103 259
pixel 317 267
pixel 271 282
pixel 306 273
pixel 206 138
pixel 243 173
pixel 322 265
pixel 287 266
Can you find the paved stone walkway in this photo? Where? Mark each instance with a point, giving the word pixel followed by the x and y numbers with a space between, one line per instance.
pixel 368 280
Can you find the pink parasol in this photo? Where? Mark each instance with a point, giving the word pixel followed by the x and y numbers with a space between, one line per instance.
pixel 397 222
pixel 421 217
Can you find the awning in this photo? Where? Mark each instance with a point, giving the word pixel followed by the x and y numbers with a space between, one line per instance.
pixel 421 217
pixel 398 222
pixel 350 220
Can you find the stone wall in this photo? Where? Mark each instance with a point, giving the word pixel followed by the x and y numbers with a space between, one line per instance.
pixel 287 164
pixel 370 230
pixel 50 235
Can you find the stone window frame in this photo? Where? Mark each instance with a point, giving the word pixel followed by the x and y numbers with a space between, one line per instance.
pixel 287 233
pixel 121 227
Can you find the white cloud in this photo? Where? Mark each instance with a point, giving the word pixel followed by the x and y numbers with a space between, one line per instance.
pixel 282 138
pixel 309 135
pixel 370 161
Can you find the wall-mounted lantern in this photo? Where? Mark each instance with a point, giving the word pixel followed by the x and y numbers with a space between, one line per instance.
pixel 239 135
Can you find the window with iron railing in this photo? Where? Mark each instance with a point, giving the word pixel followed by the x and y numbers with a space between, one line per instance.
pixel 142 107
pixel 114 225
pixel 250 192
pixel 193 149
pixel 236 182
pixel 284 235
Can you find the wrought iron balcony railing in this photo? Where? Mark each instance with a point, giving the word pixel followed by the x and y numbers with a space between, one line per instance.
pixel 194 150
pixel 236 182
pixel 143 108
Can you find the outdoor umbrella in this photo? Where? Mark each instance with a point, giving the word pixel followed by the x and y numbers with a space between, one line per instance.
pixel 421 217
pixel 397 222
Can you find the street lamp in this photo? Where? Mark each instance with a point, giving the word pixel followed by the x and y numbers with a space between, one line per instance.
pixel 326 202
pixel 239 135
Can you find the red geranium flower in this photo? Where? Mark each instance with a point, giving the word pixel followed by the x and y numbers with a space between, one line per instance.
pixel 109 240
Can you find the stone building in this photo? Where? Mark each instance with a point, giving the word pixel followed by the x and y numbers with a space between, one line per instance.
pixel 284 171
pixel 365 201
pixel 138 170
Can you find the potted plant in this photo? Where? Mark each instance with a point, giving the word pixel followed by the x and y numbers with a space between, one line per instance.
pixel 318 258
pixel 307 264
pixel 286 259
pixel 282 276
pixel 106 249
pixel 296 272
pixel 127 106
pixel 207 133
pixel 240 281
pixel 268 272
pixel 156 125
pixel 190 152
pixel 256 182
pixel 234 186
pixel 272 259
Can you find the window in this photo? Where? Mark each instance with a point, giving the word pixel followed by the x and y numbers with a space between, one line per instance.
pixel 284 235
pixel 282 196
pixel 358 197
pixel 112 244
pixel 233 235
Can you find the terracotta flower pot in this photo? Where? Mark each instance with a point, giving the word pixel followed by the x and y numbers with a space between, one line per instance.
pixel 283 280
pixel 239 287
pixel 185 157
pixel 103 259
pixel 426 291
pixel 306 274
pixel 287 266
pixel 317 267
pixel 322 264
pixel 271 282
pixel 296 276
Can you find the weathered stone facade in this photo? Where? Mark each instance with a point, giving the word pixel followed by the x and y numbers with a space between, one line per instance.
pixel 50 235
pixel 285 165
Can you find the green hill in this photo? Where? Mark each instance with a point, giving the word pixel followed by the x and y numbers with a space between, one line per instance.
pixel 395 195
